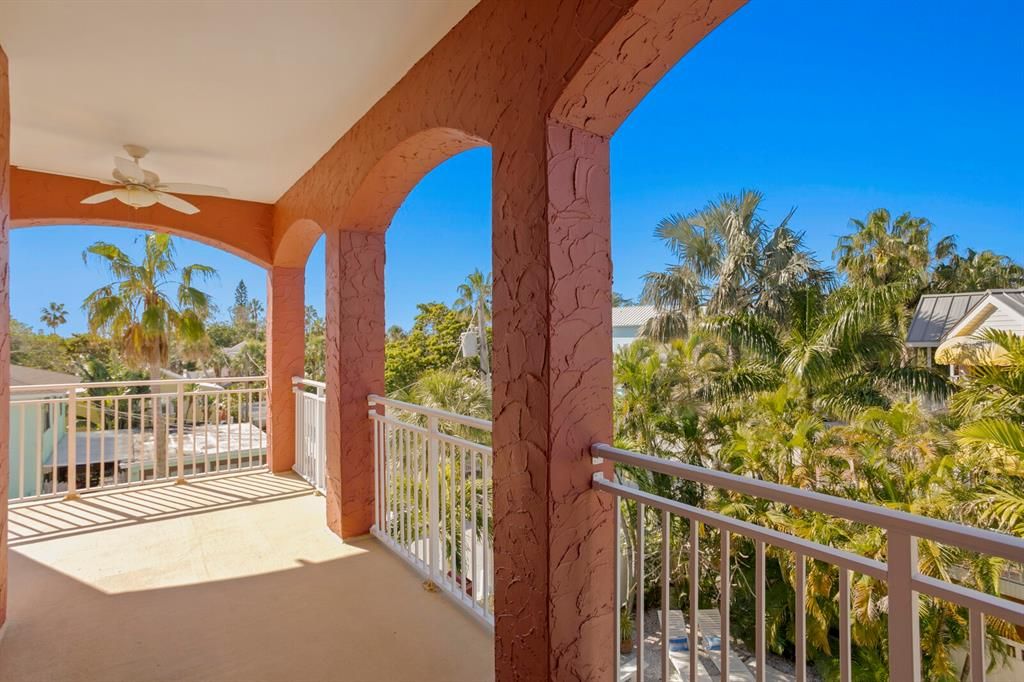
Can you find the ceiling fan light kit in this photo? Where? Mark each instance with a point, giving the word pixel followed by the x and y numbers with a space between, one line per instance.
pixel 140 188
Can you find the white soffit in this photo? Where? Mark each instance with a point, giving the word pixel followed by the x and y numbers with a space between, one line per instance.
pixel 246 95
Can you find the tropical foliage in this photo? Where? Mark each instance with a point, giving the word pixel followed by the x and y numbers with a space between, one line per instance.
pixel 54 315
pixel 147 306
pixel 766 364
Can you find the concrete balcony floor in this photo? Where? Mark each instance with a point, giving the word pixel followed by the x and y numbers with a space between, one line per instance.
pixel 233 577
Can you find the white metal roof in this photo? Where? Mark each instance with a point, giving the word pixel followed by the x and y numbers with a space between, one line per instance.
pixel 1011 302
pixel 937 314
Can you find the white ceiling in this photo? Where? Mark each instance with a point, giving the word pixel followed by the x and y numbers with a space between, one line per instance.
pixel 246 95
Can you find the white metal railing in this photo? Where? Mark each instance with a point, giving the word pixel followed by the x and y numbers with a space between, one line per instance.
pixel 66 439
pixel 900 573
pixel 310 432
pixel 434 500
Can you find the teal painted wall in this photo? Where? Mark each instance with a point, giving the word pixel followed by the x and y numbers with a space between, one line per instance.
pixel 33 429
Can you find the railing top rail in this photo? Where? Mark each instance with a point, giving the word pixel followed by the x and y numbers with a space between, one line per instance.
pixel 975 539
pixel 303 381
pixel 472 422
pixel 36 388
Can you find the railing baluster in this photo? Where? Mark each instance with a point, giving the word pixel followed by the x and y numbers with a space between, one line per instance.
pixel 666 630
pixel 694 637
pixel 206 434
pixel 904 623
pixel 131 442
pixel 376 469
pixel 617 646
pixel 451 510
pixel 424 493
pixel 252 425
pixel 407 489
pixel 638 627
pixel 759 640
pixel 400 485
pixel 195 434
pixel 55 430
pixel 442 497
pixel 724 597
pixel 216 409
pixel 39 451
pixel 179 444
pixel 103 442
pixel 977 643
pixel 88 443
pixel 845 663
pixel 461 480
pixel 801 617
pixel 474 559
pixel 487 532
pixel 72 438
pixel 21 450
pixel 385 435
pixel 117 432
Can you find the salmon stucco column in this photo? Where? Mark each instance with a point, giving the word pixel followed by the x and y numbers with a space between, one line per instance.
pixel 355 369
pixel 554 543
pixel 5 322
pixel 286 356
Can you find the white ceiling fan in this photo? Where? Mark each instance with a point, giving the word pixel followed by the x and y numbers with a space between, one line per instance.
pixel 139 188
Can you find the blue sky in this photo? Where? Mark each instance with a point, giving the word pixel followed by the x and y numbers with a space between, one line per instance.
pixel 833 108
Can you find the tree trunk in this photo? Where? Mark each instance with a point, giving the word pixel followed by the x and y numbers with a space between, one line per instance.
pixel 159 437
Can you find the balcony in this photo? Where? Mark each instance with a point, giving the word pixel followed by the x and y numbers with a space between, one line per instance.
pixel 186 538
pixel 118 570
pixel 230 577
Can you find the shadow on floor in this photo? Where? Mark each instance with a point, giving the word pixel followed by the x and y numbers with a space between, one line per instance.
pixel 48 519
pixel 254 592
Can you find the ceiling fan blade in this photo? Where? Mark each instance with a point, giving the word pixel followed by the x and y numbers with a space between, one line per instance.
pixel 176 203
pixel 196 190
pixel 101 197
pixel 130 170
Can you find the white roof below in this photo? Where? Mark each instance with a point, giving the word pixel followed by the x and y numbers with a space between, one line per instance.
pixel 632 315
pixel 937 314
pixel 244 95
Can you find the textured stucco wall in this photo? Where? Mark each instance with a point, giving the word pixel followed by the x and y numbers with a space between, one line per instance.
pixel 545 84
pixel 355 369
pixel 286 356
pixel 239 227
pixel 5 323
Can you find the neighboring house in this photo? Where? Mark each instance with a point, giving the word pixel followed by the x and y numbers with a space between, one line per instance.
pixel 948 326
pixel 628 323
pixel 38 428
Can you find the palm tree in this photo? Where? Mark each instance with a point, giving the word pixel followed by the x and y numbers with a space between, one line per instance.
pixel 475 300
pixel 455 391
pixel 882 250
pixel 53 316
pixel 144 309
pixel 256 309
pixel 840 350
pixel 991 402
pixel 728 260
pixel 976 271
